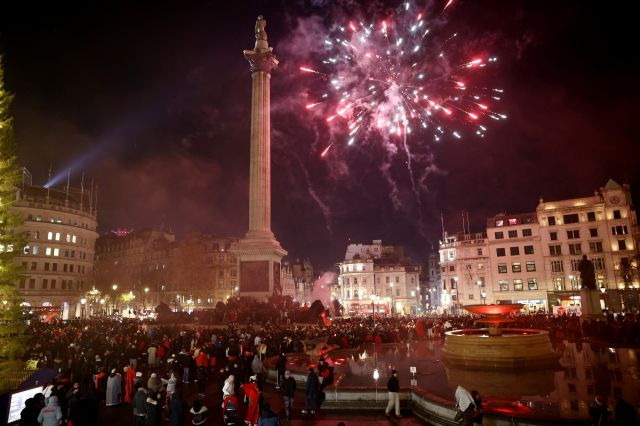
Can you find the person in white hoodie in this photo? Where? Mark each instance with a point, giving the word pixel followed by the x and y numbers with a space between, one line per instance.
pixel 229 387
pixel 51 414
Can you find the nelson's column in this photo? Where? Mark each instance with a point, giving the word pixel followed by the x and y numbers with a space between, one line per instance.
pixel 258 254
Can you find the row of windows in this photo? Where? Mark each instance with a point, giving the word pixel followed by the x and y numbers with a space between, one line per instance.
pixel 356 295
pixel 53 267
pixel 47 284
pixel 516 267
pixel 576 248
pixel 513 251
pixel 513 233
pixel 57 236
pixel 52 219
pixel 575 218
pixel 518 285
pixel 348 280
pixel 558 265
pixel 54 251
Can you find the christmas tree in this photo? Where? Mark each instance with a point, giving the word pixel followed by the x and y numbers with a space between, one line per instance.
pixel 12 325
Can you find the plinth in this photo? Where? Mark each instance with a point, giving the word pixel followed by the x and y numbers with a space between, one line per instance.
pixel 590 304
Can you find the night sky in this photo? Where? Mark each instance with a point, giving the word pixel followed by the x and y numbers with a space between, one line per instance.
pixel 151 99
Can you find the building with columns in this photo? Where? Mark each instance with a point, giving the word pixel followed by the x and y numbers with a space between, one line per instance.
pixel 58 258
pixel 373 275
pixel 533 257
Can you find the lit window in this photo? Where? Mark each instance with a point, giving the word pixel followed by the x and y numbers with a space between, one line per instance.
pixel 504 285
pixel 499 222
pixel 68 238
pixel 48 251
pixel 516 267
pixel 531 266
pixel 513 221
pixel 56 251
pixel 517 285
pixel 532 283
pixel 49 235
pixel 34 250
pixel 26 249
pixel 73 239
pixel 502 268
pixel 57 236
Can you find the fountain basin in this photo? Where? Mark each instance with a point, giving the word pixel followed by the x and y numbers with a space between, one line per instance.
pixel 513 348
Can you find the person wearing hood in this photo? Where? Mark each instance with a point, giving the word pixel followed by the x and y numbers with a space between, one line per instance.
pixel 199 413
pixel 51 414
pixel 288 392
pixel 139 405
pixel 177 409
pixel 252 396
pixel 268 417
pixel 29 414
pixel 229 387
pixel 114 388
pixel 154 410
pixel 465 405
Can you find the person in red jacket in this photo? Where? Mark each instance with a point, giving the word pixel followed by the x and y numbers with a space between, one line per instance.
pixel 252 394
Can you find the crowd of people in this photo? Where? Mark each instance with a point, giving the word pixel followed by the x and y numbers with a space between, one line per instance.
pixel 162 371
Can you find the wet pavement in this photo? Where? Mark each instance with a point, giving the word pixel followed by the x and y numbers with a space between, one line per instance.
pixel 565 392
pixel 122 414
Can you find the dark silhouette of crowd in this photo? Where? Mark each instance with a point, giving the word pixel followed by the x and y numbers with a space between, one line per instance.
pixel 150 364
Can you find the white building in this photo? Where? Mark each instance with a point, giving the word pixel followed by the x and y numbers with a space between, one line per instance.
pixel 533 258
pixel 604 227
pixel 464 262
pixel 380 276
pixel 517 261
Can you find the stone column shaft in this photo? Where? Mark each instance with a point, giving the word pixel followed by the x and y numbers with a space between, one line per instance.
pixel 260 167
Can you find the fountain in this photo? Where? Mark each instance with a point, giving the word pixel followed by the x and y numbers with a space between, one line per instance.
pixel 496 347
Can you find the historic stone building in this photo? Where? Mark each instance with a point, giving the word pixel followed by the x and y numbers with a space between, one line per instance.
pixel 464 262
pixel 58 258
pixel 195 272
pixel 533 257
pixel 381 276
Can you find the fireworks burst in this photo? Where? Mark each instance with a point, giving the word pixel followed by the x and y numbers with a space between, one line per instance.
pixel 395 77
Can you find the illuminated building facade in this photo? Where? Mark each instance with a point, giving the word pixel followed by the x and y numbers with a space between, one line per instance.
pixel 58 259
pixel 378 276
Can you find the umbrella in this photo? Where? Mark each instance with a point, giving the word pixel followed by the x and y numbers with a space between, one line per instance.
pixel 39 377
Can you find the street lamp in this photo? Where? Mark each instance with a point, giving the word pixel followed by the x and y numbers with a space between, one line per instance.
pixel 83 312
pixel 483 294
pixel 376 376
pixel 144 301
pixel 113 299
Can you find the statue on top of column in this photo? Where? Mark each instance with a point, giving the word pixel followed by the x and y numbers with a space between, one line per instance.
pixel 261 23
